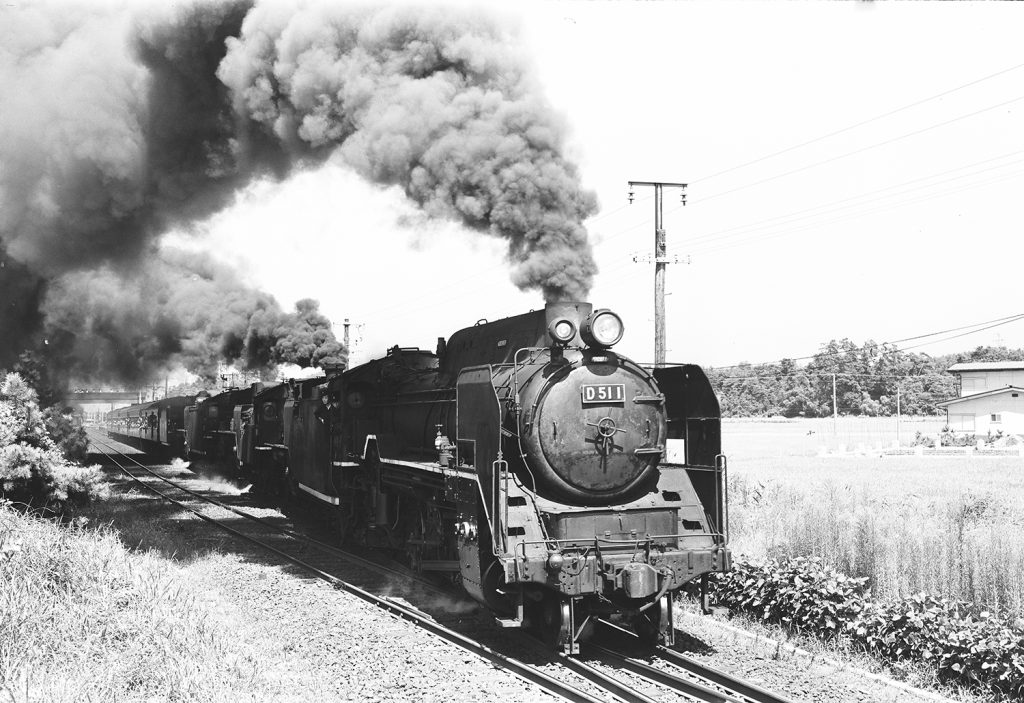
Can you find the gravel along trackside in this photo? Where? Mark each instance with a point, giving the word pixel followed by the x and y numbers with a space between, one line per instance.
pixel 324 644
pixel 323 560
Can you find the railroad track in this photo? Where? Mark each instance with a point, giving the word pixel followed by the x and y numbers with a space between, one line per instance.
pixel 607 675
pixel 678 672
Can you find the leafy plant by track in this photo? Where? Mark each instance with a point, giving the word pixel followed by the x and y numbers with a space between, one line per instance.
pixel 806 596
pixel 33 469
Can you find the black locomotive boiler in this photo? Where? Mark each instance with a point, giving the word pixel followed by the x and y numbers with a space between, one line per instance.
pixel 555 479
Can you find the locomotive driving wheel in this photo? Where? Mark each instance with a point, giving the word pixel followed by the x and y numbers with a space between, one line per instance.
pixel 291 486
pixel 414 544
pixel 342 519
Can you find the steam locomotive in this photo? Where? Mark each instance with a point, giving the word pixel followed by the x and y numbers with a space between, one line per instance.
pixel 556 480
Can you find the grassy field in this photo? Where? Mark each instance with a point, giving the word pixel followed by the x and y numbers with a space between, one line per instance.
pixel 949 526
pixel 82 617
pixel 810 437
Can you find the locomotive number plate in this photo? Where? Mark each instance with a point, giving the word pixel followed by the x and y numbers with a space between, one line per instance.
pixel 604 392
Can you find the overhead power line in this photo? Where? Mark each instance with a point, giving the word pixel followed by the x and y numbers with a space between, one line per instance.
pixel 858 124
pixel 814 374
pixel 982 326
pixel 856 200
pixel 861 150
pixel 815 224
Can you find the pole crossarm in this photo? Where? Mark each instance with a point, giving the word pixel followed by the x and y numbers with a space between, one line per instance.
pixel 657 183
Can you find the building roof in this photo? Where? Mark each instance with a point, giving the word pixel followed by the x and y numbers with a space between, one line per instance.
pixel 987 366
pixel 983 394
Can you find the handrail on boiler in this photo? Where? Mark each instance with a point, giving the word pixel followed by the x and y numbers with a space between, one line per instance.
pixel 499 494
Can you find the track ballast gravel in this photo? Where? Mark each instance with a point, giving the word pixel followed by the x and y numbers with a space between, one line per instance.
pixel 314 642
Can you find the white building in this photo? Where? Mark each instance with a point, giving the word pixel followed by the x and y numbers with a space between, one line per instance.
pixel 991 398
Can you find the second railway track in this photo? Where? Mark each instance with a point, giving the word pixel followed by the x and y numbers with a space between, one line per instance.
pixel 604 675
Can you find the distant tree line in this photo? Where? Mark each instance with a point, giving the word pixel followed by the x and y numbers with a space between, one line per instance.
pixel 867 379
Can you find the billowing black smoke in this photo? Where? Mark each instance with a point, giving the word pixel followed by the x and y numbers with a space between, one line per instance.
pixel 118 129
pixel 436 100
pixel 118 126
pixel 179 306
pixel 20 294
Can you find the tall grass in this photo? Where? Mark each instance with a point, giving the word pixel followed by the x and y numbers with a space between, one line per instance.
pixel 83 619
pixel 951 526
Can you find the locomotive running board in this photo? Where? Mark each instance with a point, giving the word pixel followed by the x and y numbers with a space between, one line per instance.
pixel 317 494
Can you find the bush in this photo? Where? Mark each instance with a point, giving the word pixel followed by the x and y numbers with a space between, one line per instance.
pixel 32 468
pixel 923 440
pixel 801 594
pixel 67 432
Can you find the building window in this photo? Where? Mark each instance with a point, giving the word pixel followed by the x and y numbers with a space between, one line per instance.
pixel 997 417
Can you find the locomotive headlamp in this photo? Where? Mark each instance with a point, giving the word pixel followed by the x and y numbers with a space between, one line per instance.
pixel 562 331
pixel 602 329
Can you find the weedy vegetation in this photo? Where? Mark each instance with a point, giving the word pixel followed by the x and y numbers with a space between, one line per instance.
pixel 84 618
pixel 916 558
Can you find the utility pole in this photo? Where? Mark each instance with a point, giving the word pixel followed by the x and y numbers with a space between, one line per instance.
pixel 835 407
pixel 898 413
pixel 660 260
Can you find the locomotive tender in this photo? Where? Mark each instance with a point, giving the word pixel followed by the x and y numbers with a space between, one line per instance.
pixel 555 479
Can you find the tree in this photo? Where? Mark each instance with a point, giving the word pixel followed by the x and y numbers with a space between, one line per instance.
pixel 32 468
pixel 868 379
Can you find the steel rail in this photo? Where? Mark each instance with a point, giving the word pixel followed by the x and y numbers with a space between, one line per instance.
pixel 617 688
pixel 737 686
pixel 621 691
pixel 319 544
pixel 520 669
pixel 746 689
pixel 679 684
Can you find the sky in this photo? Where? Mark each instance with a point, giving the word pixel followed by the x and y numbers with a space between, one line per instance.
pixel 853 171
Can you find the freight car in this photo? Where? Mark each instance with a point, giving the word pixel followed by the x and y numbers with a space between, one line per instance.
pixel 155 426
pixel 555 479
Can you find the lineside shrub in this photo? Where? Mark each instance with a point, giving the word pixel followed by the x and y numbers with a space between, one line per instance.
pixel 33 470
pixel 67 433
pixel 804 595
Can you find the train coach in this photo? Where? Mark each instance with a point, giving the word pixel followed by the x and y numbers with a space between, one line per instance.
pixel 154 426
pixel 557 481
